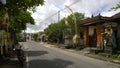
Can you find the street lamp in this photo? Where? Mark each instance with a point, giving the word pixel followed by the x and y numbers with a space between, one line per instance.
pixel 76 36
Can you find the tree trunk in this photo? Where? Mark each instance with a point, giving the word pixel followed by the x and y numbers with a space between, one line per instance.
pixel 13 37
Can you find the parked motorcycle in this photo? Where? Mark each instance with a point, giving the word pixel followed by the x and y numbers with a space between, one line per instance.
pixel 20 55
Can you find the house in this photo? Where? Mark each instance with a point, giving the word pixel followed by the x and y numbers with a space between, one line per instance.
pixel 116 19
pixel 42 36
pixel 102 32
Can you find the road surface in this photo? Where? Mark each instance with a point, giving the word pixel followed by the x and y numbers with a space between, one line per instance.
pixel 42 56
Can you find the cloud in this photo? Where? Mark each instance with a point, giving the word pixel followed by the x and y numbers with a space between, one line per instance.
pixel 95 7
pixel 48 13
pixel 110 13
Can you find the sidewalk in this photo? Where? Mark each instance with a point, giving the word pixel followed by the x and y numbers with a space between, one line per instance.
pixel 85 52
pixel 10 63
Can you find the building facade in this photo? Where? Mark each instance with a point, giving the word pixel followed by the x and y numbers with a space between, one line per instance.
pixel 102 32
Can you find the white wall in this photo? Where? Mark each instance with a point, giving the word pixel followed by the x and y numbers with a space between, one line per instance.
pixel 91 30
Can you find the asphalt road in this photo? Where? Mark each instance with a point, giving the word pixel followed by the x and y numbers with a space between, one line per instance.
pixel 42 56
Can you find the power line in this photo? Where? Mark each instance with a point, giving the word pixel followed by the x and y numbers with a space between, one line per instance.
pixel 71 4
pixel 50 17
pixel 60 10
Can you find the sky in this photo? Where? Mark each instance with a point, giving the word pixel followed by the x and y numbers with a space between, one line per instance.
pixel 48 13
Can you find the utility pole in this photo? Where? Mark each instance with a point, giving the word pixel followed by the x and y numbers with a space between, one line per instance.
pixel 58 15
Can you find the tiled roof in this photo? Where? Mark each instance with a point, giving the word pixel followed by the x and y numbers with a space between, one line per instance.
pixel 98 19
pixel 94 20
pixel 116 15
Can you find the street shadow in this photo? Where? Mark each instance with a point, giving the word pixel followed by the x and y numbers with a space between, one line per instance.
pixel 56 63
pixel 10 64
pixel 36 53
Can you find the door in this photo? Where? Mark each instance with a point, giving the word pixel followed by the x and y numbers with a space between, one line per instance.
pixel 93 39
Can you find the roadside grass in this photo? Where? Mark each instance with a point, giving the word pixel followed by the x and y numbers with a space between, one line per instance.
pixel 116 55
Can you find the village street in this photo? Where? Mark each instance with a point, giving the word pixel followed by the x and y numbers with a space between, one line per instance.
pixel 59 34
pixel 42 56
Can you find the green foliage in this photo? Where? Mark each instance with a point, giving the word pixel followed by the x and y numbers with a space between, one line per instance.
pixel 116 57
pixel 18 15
pixel 16 5
pixel 35 36
pixel 55 30
pixel 116 7
pixel 17 11
pixel 19 21
pixel 79 17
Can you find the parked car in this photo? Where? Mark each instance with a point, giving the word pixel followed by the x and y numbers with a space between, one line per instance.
pixel 22 39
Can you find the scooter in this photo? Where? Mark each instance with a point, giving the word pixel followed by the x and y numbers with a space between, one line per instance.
pixel 20 55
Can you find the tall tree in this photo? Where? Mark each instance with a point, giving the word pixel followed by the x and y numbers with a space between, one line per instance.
pixel 16 8
pixel 18 14
pixel 79 17
pixel 55 30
